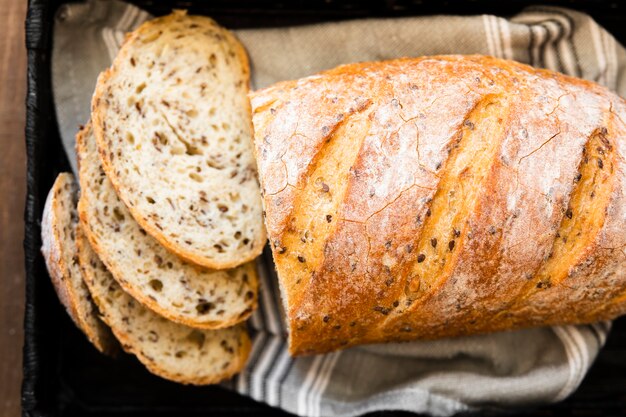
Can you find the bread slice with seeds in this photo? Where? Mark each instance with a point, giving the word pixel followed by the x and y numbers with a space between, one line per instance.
pixel 58 232
pixel 169 350
pixel 173 124
pixel 179 291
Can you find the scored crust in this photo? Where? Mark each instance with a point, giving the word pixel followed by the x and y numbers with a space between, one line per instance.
pixel 425 198
pixel 182 292
pixel 173 108
pixel 58 230
pixel 167 349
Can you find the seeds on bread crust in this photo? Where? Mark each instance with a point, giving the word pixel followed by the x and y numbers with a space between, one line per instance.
pixel 473 194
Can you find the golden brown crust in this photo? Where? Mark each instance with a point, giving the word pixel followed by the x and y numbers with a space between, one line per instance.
pixel 447 183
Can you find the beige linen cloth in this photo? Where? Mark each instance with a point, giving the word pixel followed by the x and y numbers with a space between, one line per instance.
pixel 444 377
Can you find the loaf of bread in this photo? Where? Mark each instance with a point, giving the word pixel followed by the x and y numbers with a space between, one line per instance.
pixel 172 120
pixel 170 350
pixel 177 290
pixel 59 224
pixel 441 196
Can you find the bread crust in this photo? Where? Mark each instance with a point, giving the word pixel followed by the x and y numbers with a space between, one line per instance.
pixel 381 140
pixel 99 115
pixel 55 257
pixel 51 251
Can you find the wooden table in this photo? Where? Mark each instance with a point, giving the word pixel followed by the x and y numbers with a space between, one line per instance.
pixel 13 192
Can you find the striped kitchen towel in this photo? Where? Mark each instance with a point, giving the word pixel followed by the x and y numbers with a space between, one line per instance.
pixel 442 377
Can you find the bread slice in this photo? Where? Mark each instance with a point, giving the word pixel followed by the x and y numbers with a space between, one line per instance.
pixel 58 232
pixel 169 350
pixel 173 124
pixel 179 291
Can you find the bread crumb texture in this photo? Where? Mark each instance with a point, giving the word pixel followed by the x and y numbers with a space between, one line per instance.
pixel 170 350
pixel 172 120
pixel 178 290
pixel 441 196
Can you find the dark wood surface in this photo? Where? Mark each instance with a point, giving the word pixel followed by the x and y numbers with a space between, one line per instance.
pixel 12 194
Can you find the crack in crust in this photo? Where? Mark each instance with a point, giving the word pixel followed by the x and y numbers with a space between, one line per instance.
pixel 578 224
pixel 471 154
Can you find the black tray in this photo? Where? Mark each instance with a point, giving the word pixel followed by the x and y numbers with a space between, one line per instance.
pixel 65 376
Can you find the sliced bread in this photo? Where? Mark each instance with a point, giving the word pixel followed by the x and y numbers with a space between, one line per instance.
pixel 173 125
pixel 180 291
pixel 58 233
pixel 169 350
